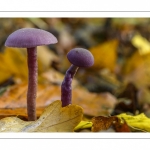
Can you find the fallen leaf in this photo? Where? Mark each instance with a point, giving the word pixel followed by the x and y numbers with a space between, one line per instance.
pixel 83 125
pixel 140 121
pixel 55 118
pixel 12 124
pixel 101 123
pixel 139 77
pixel 105 55
pixel 141 43
pixel 93 104
pixel 121 127
pixel 14 62
pixel 132 63
pixel 15 96
pixel 19 112
pixel 127 100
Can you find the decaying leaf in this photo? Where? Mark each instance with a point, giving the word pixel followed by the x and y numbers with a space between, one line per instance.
pixel 140 121
pixel 101 123
pixel 55 118
pixel 121 127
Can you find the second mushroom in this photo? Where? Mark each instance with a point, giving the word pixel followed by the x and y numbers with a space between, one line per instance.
pixel 30 38
pixel 78 57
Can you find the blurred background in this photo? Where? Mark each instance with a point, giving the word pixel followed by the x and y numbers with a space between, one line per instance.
pixel 120 46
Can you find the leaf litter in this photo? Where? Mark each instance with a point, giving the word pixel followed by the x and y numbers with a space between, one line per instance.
pixel 126 57
pixel 55 118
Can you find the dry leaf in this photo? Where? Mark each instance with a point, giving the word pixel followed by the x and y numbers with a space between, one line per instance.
pixel 15 96
pixel 101 123
pixel 19 112
pixel 93 104
pixel 55 118
pixel 121 127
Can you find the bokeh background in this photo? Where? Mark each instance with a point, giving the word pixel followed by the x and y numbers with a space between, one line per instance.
pixel 120 76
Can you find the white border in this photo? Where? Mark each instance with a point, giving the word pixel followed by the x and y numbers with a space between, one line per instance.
pixel 74 5
pixel 87 14
pixel 76 135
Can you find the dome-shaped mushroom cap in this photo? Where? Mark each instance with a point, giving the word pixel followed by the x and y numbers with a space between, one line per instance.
pixel 80 57
pixel 30 37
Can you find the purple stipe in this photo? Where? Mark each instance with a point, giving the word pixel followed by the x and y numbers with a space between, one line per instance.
pixel 66 88
pixel 32 83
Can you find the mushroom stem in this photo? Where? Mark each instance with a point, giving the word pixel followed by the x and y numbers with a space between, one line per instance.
pixel 66 89
pixel 32 85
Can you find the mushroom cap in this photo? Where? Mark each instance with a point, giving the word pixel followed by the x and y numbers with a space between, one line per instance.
pixel 30 37
pixel 80 57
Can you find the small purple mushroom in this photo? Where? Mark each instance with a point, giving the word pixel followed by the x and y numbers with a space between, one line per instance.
pixel 30 38
pixel 79 57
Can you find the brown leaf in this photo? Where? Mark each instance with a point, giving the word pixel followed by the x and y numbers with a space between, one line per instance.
pixel 15 97
pixel 121 126
pixel 103 123
pixel 93 104
pixel 19 112
pixel 128 101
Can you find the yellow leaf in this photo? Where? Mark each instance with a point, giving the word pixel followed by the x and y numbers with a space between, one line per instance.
pixel 83 125
pixel 14 62
pixel 55 118
pixel 133 63
pixel 136 69
pixel 105 55
pixel 141 44
pixel 139 121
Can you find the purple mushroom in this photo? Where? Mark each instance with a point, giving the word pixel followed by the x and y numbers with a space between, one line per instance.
pixel 30 38
pixel 79 57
